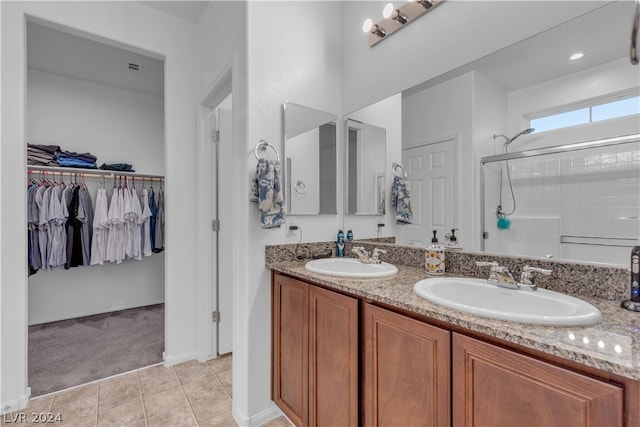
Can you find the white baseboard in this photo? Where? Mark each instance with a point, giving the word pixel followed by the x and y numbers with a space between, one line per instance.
pixel 258 419
pixel 16 404
pixel 179 358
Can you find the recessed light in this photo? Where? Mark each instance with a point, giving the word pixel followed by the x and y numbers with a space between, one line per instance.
pixel 576 56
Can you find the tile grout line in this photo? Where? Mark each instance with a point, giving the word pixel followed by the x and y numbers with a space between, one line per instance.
pixel 224 387
pixel 184 393
pixel 144 408
pixel 97 404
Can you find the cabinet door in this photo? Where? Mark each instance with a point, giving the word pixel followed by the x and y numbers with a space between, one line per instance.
pixel 333 363
pixel 290 348
pixel 497 387
pixel 406 371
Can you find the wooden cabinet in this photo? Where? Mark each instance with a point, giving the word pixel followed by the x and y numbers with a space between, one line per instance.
pixel 497 387
pixel 413 373
pixel 406 371
pixel 314 354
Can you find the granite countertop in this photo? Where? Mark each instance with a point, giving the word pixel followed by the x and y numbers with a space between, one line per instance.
pixel 612 346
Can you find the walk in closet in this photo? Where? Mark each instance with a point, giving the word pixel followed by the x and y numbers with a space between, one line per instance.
pixel 95 98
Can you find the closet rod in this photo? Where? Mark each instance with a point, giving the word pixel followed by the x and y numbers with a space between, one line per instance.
pixel 90 173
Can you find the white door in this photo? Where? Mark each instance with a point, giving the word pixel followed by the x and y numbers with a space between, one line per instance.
pixel 225 288
pixel 431 173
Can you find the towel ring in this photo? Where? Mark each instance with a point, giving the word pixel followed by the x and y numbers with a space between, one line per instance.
pixel 300 187
pixel 396 166
pixel 263 145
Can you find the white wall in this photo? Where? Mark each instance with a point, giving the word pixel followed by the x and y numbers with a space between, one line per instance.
pixel 153 32
pixel 294 51
pixel 386 114
pixel 117 126
pixel 304 152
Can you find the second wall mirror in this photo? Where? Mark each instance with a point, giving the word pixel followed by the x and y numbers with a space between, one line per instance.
pixel 366 163
pixel 310 152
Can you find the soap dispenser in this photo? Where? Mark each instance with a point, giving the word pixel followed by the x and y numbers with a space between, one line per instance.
pixel 340 243
pixel 434 257
pixel 633 303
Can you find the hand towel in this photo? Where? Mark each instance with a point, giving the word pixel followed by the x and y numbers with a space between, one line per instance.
pixel 267 192
pixel 401 200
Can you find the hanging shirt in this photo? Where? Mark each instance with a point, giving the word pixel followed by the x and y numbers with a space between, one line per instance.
pixel 129 220
pixel 100 229
pixel 115 226
pixel 146 217
pixel 57 233
pixel 153 207
pixel 137 226
pixel 159 232
pixel 74 232
pixel 85 216
pixel 43 224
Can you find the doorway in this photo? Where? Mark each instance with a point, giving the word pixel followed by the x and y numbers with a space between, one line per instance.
pixel 431 171
pixel 106 102
pixel 215 259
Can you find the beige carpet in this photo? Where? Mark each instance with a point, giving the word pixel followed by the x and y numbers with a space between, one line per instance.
pixel 76 351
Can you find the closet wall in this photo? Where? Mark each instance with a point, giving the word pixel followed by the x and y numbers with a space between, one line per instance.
pixel 82 108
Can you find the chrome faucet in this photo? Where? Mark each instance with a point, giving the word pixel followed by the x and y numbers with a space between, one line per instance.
pixel 375 257
pixel 363 255
pixel 527 279
pixel 502 276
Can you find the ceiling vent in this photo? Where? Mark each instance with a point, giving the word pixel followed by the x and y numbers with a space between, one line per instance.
pixel 133 67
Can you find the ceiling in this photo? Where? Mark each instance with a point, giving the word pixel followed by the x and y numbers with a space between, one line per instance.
pixel 188 10
pixel 603 36
pixel 65 54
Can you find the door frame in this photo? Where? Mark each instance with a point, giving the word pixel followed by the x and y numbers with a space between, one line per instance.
pixel 206 272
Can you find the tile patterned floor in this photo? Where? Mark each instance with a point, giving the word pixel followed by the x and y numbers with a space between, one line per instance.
pixel 190 394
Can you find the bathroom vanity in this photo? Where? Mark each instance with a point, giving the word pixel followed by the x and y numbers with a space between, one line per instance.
pixel 371 352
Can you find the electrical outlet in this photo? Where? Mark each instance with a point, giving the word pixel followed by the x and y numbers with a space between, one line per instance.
pixel 292 230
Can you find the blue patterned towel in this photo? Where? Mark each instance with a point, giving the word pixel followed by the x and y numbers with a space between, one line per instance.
pixel 266 190
pixel 401 200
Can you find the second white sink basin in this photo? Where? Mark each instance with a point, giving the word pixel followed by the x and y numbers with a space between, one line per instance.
pixel 350 267
pixel 477 296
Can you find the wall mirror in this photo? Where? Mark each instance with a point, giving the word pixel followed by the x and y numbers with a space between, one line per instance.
pixel 366 162
pixel 501 94
pixel 310 152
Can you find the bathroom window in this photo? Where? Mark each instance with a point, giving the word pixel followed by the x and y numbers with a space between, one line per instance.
pixel 595 112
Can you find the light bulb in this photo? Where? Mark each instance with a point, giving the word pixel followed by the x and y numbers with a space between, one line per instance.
pixel 366 26
pixel 576 56
pixel 388 10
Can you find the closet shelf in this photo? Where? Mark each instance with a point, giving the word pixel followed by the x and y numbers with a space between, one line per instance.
pixel 90 173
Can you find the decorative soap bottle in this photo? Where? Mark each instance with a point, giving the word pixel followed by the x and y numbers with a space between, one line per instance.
pixel 434 258
pixel 349 236
pixel 340 244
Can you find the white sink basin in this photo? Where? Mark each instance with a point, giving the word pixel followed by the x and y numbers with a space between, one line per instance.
pixel 350 267
pixel 481 298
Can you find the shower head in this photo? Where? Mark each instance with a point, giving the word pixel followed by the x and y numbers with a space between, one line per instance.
pixel 510 140
pixel 524 132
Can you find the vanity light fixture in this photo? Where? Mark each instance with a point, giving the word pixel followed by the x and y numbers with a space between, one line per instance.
pixel 395 18
pixel 425 3
pixel 398 17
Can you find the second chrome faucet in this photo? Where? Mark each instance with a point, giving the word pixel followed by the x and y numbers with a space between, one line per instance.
pixel 363 255
pixel 503 276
